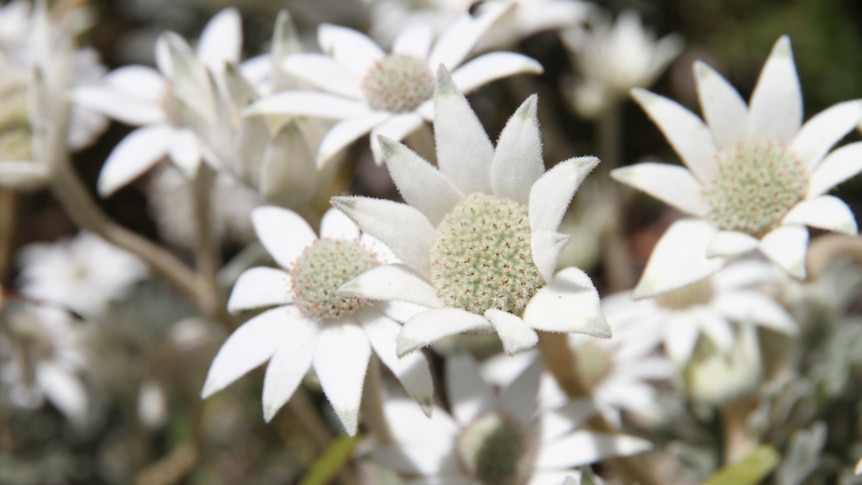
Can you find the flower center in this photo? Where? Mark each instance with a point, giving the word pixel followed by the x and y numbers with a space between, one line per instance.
pixel 481 258
pixel 16 135
pixel 753 186
pixel 595 363
pixel 320 270
pixel 697 293
pixel 398 83
pixel 493 449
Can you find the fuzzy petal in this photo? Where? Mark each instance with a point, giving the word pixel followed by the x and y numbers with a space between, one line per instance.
pixel 490 67
pixel 185 152
pixel 325 73
pixel 283 233
pixel 753 307
pixel 672 184
pixel 716 327
pixel 288 366
pixel 838 166
pixel 432 325
pixel 118 105
pixel 135 81
pixel 349 47
pixel 340 361
pixel 336 225
pixel 396 127
pixel 680 337
pixel 64 389
pixel 138 151
pixel 821 132
pixel 461 36
pixel 551 194
pixel 392 282
pixel 723 108
pixel 258 287
pixel 585 447
pixel 307 103
pixel 221 40
pixel 824 212
pixel 346 132
pixel 519 399
pixel 515 334
pixel 545 247
pixel 786 246
pixel 415 40
pixel 731 243
pixel 469 395
pixel 776 103
pixel 569 303
pixel 517 162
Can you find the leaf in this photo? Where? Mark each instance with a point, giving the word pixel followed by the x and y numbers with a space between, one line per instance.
pixel 748 471
pixel 326 467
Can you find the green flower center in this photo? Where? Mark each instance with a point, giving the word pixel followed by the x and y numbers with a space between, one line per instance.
pixel 697 293
pixel 493 449
pixel 481 258
pixel 320 270
pixel 16 135
pixel 753 186
pixel 398 83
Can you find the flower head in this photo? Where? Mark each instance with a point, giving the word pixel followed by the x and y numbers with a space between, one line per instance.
pixel 754 175
pixel 479 237
pixel 312 326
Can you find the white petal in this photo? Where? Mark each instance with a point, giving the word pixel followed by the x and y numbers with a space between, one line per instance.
pixel 349 47
pixel 409 425
pixel 411 370
pixel 679 258
pixel 775 110
pixel 545 247
pixel 821 132
pixel 731 243
pixel 680 336
pixel 725 111
pixel 336 225
pixel 685 132
pixel 715 327
pixel 250 345
pixel 432 325
pixel 558 422
pixel 420 183
pixel 569 303
pixel 23 175
pixel 134 81
pixel 346 132
pixel 400 227
pixel 288 366
pixel 583 448
pixel 517 161
pixel 415 40
pixel 136 153
pixel 551 194
pixel 340 361
pixel 519 399
pixel 464 152
pixel 381 252
pixel 397 127
pixel 392 282
pixel 221 40
pixel 325 73
pixel 786 246
pixel 283 233
pixel 258 287
pixel 490 67
pixel 307 103
pixel 837 167
pixel 753 307
pixel 515 334
pixel 119 106
pixel 469 395
pixel 64 389
pixel 459 38
pixel 671 184
pixel 823 212
pixel 185 152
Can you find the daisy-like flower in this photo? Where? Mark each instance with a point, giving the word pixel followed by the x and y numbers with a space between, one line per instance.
pixel 83 274
pixel 754 175
pixel 478 235
pixel 388 94
pixel 169 104
pixel 614 58
pixel 312 326
pixel 710 307
pixel 499 440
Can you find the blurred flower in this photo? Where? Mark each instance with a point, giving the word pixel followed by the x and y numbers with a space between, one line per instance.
pixel 612 59
pixel 714 376
pixel 500 440
pixel 478 236
pixel 312 326
pixel 387 94
pixel 727 163
pixel 84 273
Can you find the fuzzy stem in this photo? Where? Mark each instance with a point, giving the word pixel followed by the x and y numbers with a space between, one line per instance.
pixel 738 441
pixel 207 251
pixel 372 404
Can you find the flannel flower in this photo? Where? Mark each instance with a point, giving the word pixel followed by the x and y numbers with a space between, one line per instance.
pixel 499 440
pixel 387 94
pixel 478 235
pixel 755 176
pixel 311 326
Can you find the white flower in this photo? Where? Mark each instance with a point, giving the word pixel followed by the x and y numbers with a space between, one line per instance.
pixel 498 440
pixel 710 307
pixel 715 377
pixel 754 174
pixel 612 59
pixel 170 104
pixel 312 326
pixel 83 274
pixel 479 237
pixel 387 94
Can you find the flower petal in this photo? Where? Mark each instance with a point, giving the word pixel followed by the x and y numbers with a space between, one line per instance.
pixel 135 81
pixel 464 151
pixel 221 40
pixel 23 175
pixel 400 227
pixel 558 422
pixel 349 47
pixel 671 184
pixel 136 153
pixel 775 110
pixel 838 166
pixel 515 334
pixel 392 282
pixel 307 103
pixel 680 337
pixel 119 106
pixel 569 303
pixel 396 127
pixel 823 212
pixel 716 327
pixel 519 398
pixel 725 111
pixel 415 40
pixel 753 307
pixel 185 152
pixel 517 162
pixel 283 233
pixel 419 183
pixel 786 246
pixel 64 389
pixel 336 225
pixel 469 395
pixel 545 247
pixel 346 132
pixel 821 132
pixel 325 73
pixel 250 345
pixel 412 370
pixel 686 133
pixel 340 361
pixel 551 194
pixel 258 287
pixel 679 258
pixel 731 243
pixel 585 447
pixel 492 66
pixel 432 325
pixel 288 366
pixel 461 36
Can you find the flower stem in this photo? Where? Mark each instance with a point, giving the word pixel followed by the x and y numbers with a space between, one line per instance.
pixel 738 441
pixel 207 251
pixel 8 213
pixel 372 404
